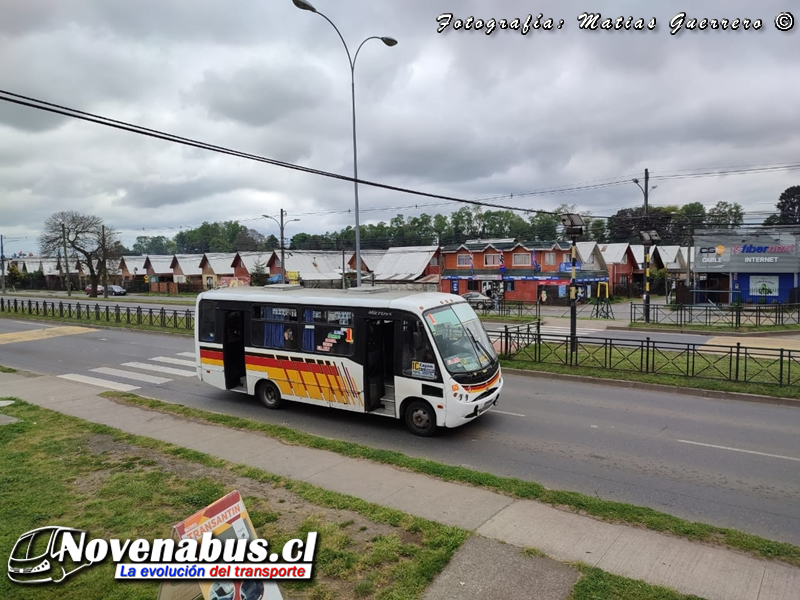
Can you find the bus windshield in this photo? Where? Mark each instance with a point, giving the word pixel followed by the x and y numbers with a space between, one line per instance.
pixel 460 338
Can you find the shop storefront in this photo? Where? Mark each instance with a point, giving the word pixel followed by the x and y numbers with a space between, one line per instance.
pixel 748 267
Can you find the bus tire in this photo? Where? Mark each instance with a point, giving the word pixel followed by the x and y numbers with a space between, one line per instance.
pixel 269 394
pixel 420 418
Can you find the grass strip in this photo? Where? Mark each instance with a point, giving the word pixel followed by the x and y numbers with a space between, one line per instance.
pixel 596 584
pixel 188 300
pixel 758 389
pixel 614 512
pixel 123 486
pixel 7 369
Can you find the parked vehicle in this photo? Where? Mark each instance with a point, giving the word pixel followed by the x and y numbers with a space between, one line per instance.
pixel 477 299
pixel 88 289
pixel 116 290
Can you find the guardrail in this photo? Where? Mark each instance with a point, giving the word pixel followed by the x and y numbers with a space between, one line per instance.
pixel 742 364
pixel 733 315
pixel 130 315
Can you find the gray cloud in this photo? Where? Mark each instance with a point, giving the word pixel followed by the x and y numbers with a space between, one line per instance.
pixel 458 113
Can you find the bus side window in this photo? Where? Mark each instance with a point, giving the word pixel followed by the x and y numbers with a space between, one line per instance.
pixel 416 347
pixel 207 328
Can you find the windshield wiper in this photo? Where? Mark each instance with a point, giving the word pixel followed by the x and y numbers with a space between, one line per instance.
pixel 478 346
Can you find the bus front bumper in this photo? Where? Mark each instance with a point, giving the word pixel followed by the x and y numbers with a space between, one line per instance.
pixel 464 412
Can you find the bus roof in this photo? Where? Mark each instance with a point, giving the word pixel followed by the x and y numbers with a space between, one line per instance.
pixel 363 297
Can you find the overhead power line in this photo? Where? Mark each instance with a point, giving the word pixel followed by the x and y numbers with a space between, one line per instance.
pixel 131 128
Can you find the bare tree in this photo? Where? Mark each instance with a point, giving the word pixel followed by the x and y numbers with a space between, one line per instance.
pixel 83 237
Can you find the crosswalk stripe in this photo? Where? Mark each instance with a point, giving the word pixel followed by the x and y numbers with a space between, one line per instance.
pixel 189 354
pixel 160 369
pixel 130 375
pixel 174 361
pixel 111 385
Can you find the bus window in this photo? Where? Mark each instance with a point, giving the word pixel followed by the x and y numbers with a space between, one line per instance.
pixel 274 327
pixel 328 332
pixel 207 328
pixel 418 359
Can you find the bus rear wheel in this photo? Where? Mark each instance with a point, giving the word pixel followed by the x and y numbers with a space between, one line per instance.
pixel 269 394
pixel 420 418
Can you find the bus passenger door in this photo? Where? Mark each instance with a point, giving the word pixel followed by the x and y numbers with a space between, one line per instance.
pixel 233 349
pixel 379 364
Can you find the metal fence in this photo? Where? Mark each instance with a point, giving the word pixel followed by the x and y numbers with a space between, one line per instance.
pixel 129 315
pixel 742 364
pixel 508 308
pixel 712 315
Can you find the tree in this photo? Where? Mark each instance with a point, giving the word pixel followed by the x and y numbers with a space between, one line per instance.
pixel 788 206
pixel 259 274
pixel 598 231
pixel 725 215
pixel 626 224
pixel 158 244
pixel 84 240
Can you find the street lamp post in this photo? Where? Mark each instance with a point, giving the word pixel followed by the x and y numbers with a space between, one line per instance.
pixel 649 237
pixel 573 226
pixel 303 5
pixel 281 224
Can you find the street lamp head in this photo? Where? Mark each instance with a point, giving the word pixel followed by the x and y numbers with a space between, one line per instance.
pixel 389 41
pixel 303 5
pixel 634 180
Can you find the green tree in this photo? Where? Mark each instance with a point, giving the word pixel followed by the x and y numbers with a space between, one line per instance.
pixel 788 206
pixel 725 215
pixel 598 231
pixel 259 275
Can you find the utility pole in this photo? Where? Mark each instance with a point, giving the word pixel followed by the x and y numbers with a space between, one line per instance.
pixel 2 264
pixel 283 264
pixel 343 275
pixel 66 257
pixel 105 265
pixel 646 189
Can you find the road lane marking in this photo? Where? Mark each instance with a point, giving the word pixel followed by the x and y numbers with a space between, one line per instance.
pixel 130 375
pixel 28 323
pixel 112 385
pixel 189 354
pixel 160 369
pixel 41 334
pixel 740 450
pixel 502 412
pixel 174 361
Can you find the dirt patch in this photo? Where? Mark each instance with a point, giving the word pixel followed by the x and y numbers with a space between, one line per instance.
pixel 276 511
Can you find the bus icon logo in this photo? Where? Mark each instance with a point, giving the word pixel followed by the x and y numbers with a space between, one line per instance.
pixel 37 557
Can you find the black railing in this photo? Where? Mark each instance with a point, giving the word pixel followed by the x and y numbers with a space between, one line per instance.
pixel 742 364
pixel 712 315
pixel 507 308
pixel 128 315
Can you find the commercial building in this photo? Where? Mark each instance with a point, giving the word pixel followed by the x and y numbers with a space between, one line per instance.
pixel 748 266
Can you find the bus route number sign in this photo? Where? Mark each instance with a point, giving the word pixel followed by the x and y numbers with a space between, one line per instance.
pixel 423 370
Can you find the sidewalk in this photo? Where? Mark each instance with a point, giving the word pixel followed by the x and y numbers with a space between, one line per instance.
pixel 482 568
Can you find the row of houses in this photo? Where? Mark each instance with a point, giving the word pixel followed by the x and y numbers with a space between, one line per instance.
pixel 519 270
pixel 406 268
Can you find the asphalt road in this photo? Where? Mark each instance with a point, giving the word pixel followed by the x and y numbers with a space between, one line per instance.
pixel 728 463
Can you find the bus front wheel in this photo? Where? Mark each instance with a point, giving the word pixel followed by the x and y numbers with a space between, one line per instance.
pixel 269 394
pixel 420 418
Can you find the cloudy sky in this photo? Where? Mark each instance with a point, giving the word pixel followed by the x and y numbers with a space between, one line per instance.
pixel 458 113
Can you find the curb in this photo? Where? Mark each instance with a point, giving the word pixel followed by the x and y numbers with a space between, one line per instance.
pixel 658 387
pixel 709 332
